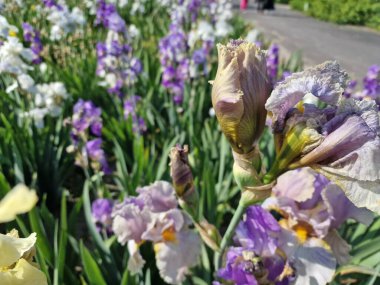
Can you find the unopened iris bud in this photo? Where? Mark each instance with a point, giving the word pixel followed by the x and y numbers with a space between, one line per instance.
pixel 182 177
pixel 239 93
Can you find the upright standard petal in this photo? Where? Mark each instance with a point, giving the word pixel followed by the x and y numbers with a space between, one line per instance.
pixel 158 197
pixel 325 81
pixel 130 221
pixel 18 201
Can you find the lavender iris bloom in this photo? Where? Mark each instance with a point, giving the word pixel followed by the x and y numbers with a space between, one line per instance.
pixel 341 140
pixel 153 216
pixel 86 135
pixel 173 49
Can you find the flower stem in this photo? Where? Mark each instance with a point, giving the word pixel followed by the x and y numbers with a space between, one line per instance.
pixel 229 233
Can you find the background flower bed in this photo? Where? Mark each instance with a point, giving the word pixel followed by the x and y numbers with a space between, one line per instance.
pixel 69 249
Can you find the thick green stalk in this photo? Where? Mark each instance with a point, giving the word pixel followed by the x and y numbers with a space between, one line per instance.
pixel 226 240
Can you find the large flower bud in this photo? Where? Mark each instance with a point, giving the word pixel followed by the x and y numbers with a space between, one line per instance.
pixel 239 93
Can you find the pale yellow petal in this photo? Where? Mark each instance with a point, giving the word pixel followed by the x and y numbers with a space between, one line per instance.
pixel 18 201
pixel 13 248
pixel 23 274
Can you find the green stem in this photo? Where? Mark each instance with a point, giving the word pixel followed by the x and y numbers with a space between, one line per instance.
pixel 229 233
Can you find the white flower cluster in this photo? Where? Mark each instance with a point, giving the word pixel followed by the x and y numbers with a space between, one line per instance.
pixel 223 14
pixel 48 99
pixel 206 31
pixel 15 61
pixel 64 21
pixel 138 7
pixel 14 57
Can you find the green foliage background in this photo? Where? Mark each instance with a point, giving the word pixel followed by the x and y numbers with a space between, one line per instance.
pixel 354 12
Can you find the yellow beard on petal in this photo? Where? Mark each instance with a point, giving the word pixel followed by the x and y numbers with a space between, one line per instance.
pixel 301 232
pixel 169 235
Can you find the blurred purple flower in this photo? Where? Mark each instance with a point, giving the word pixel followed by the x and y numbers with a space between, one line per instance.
pixel 199 56
pixel 96 154
pixel 108 16
pixel 51 4
pixel 86 115
pixel 273 62
pixel 33 36
pixel 173 51
pixel 349 91
pixel 101 214
pixel 371 82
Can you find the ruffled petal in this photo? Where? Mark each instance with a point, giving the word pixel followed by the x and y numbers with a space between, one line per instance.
pixel 325 81
pixel 13 248
pixel 175 258
pixel 158 197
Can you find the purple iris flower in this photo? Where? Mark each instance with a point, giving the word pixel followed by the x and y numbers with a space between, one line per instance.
pixel 108 16
pixel 96 153
pixel 101 214
pixel 273 62
pixel 349 91
pixel 173 51
pixel 86 115
pixel 199 56
pixel 51 4
pixel 258 231
pixel 32 36
pixel 371 82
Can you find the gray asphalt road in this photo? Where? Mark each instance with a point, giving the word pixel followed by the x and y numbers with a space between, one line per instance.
pixel 354 48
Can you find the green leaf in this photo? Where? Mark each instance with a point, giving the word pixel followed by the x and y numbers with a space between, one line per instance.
pixel 91 267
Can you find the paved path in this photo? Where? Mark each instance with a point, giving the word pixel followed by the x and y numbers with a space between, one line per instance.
pixel 354 48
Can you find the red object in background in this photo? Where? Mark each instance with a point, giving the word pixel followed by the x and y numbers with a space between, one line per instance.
pixel 243 4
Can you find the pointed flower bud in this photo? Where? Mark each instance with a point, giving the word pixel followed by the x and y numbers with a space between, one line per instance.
pixel 239 93
pixel 182 177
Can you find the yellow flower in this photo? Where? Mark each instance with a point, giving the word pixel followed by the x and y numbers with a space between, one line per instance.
pixel 18 201
pixel 16 265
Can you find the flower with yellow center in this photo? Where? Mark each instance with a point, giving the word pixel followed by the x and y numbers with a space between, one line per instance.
pixel 16 258
pixel 16 265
